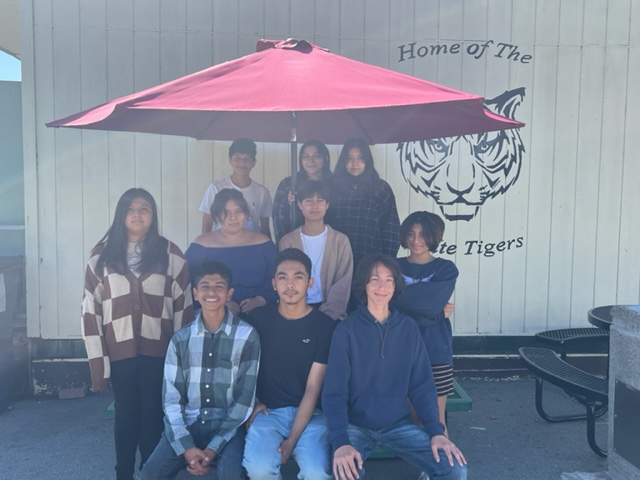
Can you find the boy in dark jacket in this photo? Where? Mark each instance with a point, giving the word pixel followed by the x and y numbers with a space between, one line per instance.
pixel 377 360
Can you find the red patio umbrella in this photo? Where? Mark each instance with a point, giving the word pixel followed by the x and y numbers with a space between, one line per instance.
pixel 289 85
pixel 332 97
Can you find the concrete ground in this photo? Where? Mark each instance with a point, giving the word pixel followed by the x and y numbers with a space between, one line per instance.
pixel 502 438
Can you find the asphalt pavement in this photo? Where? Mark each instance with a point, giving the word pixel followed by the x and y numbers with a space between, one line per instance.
pixel 502 438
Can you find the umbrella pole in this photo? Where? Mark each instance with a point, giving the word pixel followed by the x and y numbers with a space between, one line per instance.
pixel 294 166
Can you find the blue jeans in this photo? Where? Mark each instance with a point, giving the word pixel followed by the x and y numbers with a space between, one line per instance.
pixel 411 443
pixel 261 456
pixel 164 464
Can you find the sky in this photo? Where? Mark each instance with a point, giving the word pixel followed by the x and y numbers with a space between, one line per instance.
pixel 9 68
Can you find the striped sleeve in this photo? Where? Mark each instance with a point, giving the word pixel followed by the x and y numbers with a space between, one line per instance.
pixel 180 288
pixel 92 327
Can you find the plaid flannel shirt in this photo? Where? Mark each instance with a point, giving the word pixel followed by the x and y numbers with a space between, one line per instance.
pixel 210 378
pixel 367 214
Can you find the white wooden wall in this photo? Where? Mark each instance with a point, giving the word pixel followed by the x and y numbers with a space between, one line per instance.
pixel 576 203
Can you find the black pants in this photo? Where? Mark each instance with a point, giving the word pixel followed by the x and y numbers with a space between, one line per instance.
pixel 137 391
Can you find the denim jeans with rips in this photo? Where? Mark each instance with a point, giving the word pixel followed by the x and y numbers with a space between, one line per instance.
pixel 411 443
pixel 262 459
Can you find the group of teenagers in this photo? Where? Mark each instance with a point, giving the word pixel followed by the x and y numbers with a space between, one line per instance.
pixel 227 360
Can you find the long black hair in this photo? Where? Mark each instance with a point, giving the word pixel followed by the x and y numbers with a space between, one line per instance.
pixel 224 196
pixel 326 160
pixel 153 246
pixel 369 175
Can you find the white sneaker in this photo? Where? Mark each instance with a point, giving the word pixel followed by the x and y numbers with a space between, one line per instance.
pixel 423 476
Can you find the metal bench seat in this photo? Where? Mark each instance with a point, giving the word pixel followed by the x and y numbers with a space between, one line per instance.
pixel 565 337
pixel 590 390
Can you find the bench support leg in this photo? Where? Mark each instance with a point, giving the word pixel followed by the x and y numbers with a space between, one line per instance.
pixel 592 409
pixel 598 410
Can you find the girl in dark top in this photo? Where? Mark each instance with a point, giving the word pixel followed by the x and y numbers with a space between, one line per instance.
pixel 314 162
pixel 363 206
pixel 429 283
pixel 249 255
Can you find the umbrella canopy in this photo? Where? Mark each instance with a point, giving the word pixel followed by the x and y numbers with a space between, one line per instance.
pixel 333 98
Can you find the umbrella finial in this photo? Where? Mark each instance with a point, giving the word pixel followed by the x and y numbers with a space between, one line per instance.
pixel 289 44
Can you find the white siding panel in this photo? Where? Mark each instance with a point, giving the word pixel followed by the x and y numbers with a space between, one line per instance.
pixel 225 48
pixel 42 14
pixel 252 17
pixel 629 274
pixel 199 16
pixel 571 23
pixel 146 54
pixel 96 215
pixel 173 196
pixel 199 168
pixel 427 25
pixel 327 18
pixel 523 22
pixel 147 168
pixel 120 14
pixel 563 187
pixel 402 19
pixel 450 20
pixel 94 14
pixel 609 199
pixel 547 21
pixel 354 49
pixel 276 19
pixel 146 14
pixel 276 164
pixel 539 225
pixel 474 20
pixel 595 22
pixel 301 23
pixel 66 13
pixel 352 23
pixel 618 22
pixel 634 25
pixel 30 152
pixel 120 82
pixel 376 19
pixel 68 181
pixel 587 173
pixel 199 52
pixel 93 65
pixel 45 92
pixel 172 56
pixel 246 45
pixel 377 53
pixel 69 231
pixel 225 17
pixel 95 160
pixel 173 15
pixel 499 15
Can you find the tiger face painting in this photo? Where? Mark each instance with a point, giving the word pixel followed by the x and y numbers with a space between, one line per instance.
pixel 461 173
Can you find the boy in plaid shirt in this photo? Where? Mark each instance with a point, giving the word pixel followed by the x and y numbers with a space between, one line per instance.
pixel 209 386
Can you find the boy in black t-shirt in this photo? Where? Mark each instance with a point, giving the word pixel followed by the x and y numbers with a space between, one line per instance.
pixel 295 340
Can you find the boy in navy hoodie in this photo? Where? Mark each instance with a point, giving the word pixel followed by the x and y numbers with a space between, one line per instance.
pixel 377 360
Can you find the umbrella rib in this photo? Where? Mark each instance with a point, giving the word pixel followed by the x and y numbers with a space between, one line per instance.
pixel 206 127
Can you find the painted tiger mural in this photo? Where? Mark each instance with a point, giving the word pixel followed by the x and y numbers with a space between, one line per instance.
pixel 461 173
